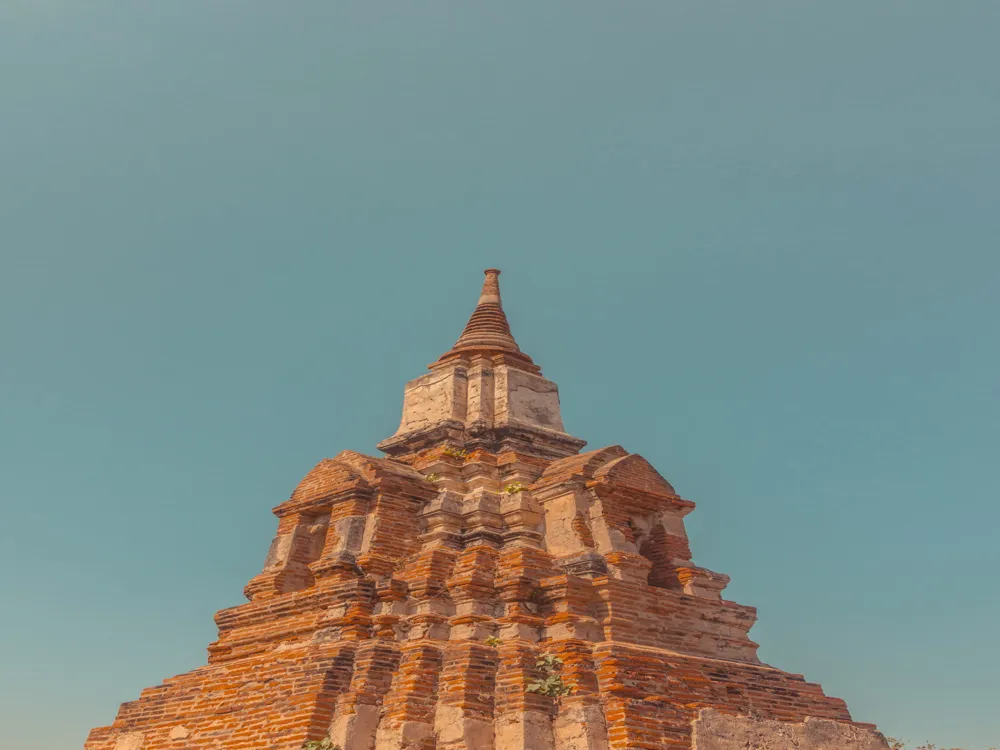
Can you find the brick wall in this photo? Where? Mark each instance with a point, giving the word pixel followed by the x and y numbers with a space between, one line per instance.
pixel 404 604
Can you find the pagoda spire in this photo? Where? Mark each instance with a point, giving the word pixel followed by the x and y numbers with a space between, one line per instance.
pixel 488 331
pixel 488 327
pixel 484 392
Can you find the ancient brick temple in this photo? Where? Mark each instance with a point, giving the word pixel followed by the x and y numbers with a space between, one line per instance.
pixel 486 585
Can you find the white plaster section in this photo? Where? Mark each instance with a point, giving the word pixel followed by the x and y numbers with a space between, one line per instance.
pixel 580 728
pixel 454 731
pixel 524 730
pixel 130 741
pixel 561 539
pixel 349 534
pixel 606 538
pixel 436 397
pixel 279 552
pixel 372 522
pixel 179 733
pixel 529 399
pixel 482 394
pixel 356 731
pixel 410 735
pixel 718 731
pixel 673 523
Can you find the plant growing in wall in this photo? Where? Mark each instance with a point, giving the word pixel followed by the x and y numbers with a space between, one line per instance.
pixel 551 683
pixel 537 596
pixel 323 744
pixel 493 642
pixel 454 452
pixel 513 487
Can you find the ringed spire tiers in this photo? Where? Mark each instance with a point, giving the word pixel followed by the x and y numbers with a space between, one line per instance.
pixel 488 331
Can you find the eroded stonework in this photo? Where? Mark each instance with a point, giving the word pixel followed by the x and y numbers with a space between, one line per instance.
pixel 406 603
pixel 718 731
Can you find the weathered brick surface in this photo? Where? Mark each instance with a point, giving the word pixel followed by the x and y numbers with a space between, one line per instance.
pixel 405 601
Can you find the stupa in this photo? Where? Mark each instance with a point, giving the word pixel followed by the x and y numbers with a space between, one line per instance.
pixel 487 584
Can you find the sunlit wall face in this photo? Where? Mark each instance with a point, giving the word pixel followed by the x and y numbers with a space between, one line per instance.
pixel 230 231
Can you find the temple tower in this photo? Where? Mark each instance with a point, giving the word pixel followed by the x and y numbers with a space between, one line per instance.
pixel 485 393
pixel 487 585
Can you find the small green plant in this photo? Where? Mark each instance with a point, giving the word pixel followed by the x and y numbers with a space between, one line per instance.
pixel 324 744
pixel 513 487
pixel 551 683
pixel 451 450
pixel 493 642
pixel 432 477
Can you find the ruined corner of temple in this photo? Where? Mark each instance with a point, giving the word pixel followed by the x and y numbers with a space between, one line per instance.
pixel 486 583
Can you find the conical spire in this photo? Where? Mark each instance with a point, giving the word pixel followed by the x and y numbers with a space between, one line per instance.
pixel 488 327
pixel 488 330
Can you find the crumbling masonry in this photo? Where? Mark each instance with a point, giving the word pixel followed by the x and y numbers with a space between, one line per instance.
pixel 406 601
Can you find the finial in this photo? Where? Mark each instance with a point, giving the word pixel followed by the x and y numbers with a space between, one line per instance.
pixel 491 288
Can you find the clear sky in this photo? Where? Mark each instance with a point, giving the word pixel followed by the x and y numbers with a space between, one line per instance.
pixel 755 242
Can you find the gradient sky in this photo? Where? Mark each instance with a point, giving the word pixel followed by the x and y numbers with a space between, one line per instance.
pixel 755 242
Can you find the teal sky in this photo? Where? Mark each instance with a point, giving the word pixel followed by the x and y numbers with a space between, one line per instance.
pixel 755 242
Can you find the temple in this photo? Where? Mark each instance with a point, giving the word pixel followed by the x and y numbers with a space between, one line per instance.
pixel 487 583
